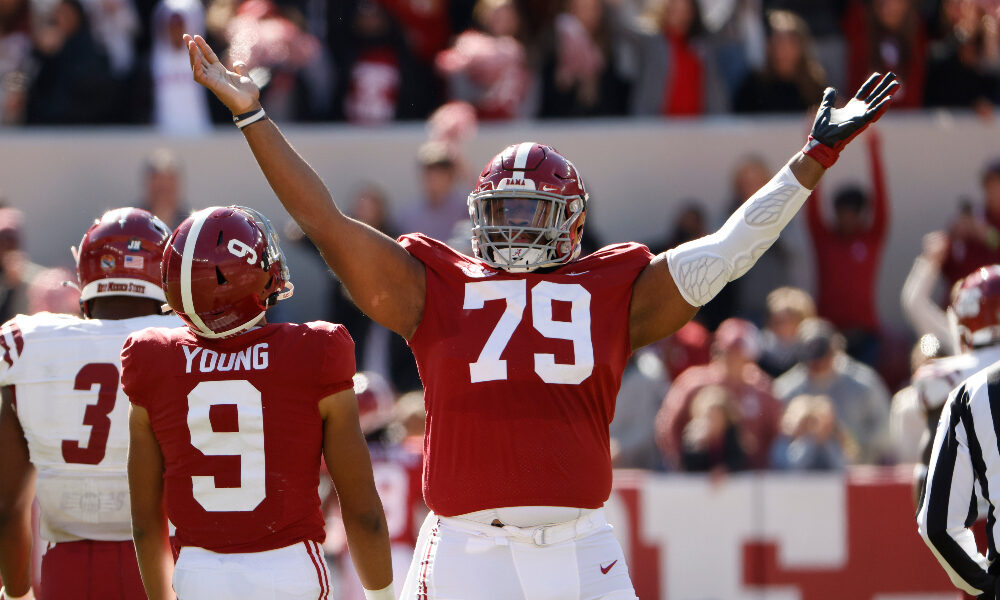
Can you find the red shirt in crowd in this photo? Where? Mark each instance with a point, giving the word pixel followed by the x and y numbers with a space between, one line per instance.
pixel 847 266
pixel 682 95
pixel 759 410
pixel 521 372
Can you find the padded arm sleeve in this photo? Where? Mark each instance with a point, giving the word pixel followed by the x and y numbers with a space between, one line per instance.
pixel 702 267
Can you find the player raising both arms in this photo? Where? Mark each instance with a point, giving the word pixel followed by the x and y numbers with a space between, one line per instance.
pixel 230 416
pixel 64 421
pixel 521 348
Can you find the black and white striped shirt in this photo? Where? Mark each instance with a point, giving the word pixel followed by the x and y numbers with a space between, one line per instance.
pixel 964 464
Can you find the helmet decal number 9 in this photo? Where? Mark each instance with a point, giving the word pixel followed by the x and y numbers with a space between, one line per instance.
pixel 490 367
pixel 239 250
pixel 247 442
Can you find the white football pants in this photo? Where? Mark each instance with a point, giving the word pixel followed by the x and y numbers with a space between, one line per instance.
pixel 296 572
pixel 458 559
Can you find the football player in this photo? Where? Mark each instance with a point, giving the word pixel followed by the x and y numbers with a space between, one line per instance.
pixel 974 316
pixel 230 418
pixel 521 347
pixel 396 468
pixel 64 421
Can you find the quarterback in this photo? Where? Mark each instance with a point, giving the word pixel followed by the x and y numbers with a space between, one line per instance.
pixel 230 418
pixel 522 346
pixel 64 421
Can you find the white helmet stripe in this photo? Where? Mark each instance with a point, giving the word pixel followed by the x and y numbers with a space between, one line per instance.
pixel 122 286
pixel 187 259
pixel 521 156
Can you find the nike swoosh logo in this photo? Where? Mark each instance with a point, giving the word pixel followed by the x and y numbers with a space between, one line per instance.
pixel 604 570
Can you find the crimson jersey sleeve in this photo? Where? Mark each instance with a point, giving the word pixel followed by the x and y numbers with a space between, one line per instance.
pixel 520 372
pixel 138 370
pixel 339 366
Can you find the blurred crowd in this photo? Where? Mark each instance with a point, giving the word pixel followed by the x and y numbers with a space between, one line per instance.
pixel 376 61
pixel 774 373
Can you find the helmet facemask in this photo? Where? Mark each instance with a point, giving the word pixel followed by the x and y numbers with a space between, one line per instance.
pixel 273 253
pixel 518 229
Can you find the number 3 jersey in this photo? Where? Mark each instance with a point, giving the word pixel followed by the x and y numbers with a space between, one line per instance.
pixel 64 372
pixel 238 423
pixel 520 372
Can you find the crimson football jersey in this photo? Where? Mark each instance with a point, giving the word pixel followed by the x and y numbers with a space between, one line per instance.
pixel 238 423
pixel 520 372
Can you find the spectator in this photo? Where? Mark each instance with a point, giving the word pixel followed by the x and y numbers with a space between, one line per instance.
pixel 711 439
pixel 963 69
pixel 271 42
pixel 859 397
pixel 690 346
pixel 435 212
pixel 923 312
pixel 908 419
pixel 811 438
pixel 644 383
pixel 16 271
pixel 824 19
pixel 848 254
pixel 679 22
pixel 162 188
pixel 791 78
pixel 787 307
pixel 180 106
pixel 689 224
pixel 72 78
pixel 49 292
pixel 579 76
pixel 15 51
pixel 736 43
pixel 736 347
pixel 974 235
pixel 488 68
pixel 888 35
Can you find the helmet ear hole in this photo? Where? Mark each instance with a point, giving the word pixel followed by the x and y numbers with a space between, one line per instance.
pixel 219 277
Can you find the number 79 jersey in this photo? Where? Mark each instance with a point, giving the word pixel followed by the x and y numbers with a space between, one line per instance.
pixel 520 372
pixel 237 420
pixel 64 372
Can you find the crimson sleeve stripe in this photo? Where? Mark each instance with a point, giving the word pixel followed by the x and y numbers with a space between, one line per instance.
pixel 425 564
pixel 323 569
pixel 319 572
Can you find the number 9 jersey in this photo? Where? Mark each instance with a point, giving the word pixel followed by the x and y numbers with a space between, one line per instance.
pixel 520 372
pixel 237 420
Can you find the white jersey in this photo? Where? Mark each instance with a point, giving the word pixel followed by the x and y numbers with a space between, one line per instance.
pixel 936 379
pixel 64 372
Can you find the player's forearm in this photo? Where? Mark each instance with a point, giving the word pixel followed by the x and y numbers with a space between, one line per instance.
pixel 368 540
pixel 15 548
pixel 806 170
pixel 156 562
pixel 298 187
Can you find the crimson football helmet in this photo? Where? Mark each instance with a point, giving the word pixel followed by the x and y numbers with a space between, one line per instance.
pixel 975 308
pixel 375 401
pixel 528 209
pixel 120 256
pixel 221 270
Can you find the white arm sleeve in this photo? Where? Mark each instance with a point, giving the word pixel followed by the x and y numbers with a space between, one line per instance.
pixel 919 307
pixel 702 267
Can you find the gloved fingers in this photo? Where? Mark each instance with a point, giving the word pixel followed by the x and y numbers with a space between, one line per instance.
pixel 868 86
pixel 888 82
pixel 875 113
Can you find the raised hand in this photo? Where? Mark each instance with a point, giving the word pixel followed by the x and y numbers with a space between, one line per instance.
pixel 234 88
pixel 834 128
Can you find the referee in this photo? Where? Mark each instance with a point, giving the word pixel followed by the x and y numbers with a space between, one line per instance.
pixel 965 463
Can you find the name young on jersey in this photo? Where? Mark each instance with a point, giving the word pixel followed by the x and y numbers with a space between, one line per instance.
pixel 252 358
